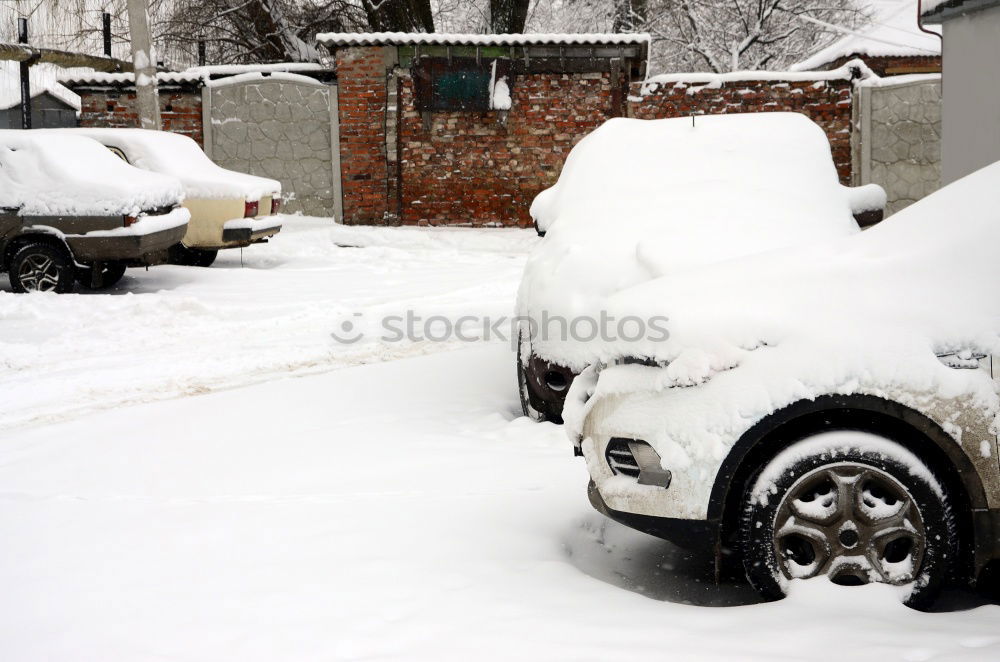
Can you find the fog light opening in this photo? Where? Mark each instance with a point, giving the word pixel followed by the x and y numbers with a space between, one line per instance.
pixel 556 381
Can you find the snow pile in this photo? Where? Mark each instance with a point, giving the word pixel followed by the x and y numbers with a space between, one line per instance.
pixel 51 172
pixel 263 76
pixel 893 32
pixel 868 313
pixel 639 199
pixel 180 157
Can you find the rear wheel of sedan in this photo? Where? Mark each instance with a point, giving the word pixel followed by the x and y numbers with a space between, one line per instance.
pixel 40 266
pixel 851 507
pixel 191 257
pixel 107 275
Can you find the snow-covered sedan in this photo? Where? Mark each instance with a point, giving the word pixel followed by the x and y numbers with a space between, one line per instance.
pixel 639 199
pixel 70 210
pixel 821 411
pixel 228 209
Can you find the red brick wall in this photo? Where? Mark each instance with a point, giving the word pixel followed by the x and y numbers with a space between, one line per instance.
pixel 473 168
pixel 828 103
pixel 180 112
pixel 362 92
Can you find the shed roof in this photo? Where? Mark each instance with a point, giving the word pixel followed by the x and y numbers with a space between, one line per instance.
pixel 43 81
pixel 892 32
pixel 442 39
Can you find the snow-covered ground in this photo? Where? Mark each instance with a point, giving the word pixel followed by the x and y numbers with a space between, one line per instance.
pixel 401 509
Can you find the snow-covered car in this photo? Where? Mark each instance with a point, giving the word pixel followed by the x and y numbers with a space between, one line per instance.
pixel 70 210
pixel 820 410
pixel 228 209
pixel 637 199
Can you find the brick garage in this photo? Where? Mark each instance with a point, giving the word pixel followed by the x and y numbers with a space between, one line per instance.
pixel 108 100
pixel 480 169
pixel 402 162
pixel 825 97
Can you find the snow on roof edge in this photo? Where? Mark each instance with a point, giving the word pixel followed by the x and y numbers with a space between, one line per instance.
pixel 872 40
pixel 445 39
pixel 848 71
pixel 102 78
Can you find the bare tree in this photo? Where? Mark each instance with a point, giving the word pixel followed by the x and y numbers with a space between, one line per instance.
pixel 399 15
pixel 508 16
pixel 730 35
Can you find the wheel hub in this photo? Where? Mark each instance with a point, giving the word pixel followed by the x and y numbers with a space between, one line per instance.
pixel 851 522
pixel 39 273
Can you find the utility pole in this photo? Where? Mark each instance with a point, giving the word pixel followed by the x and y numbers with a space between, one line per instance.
pixel 22 37
pixel 144 62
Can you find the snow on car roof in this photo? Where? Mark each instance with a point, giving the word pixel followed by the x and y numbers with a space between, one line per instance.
pixel 43 173
pixel 178 156
pixel 637 199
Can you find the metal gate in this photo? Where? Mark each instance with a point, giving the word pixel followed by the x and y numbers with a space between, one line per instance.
pixel 282 126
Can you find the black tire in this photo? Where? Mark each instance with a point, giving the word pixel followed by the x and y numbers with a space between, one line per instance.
pixel 523 352
pixel 110 273
pixel 191 257
pixel 891 523
pixel 41 266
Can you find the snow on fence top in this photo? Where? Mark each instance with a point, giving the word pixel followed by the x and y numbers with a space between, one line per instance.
pixel 852 70
pixel 893 32
pixel 937 9
pixel 437 39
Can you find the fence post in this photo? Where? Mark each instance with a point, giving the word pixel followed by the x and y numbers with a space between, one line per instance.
pixel 107 34
pixel 22 38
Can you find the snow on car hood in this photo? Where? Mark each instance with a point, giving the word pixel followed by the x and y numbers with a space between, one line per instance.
pixel 868 313
pixel 178 156
pixel 638 199
pixel 42 173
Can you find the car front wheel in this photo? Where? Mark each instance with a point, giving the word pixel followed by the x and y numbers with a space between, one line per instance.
pixel 41 267
pixel 851 507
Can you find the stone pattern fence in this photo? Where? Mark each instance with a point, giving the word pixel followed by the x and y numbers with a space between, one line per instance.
pixel 897 137
pixel 279 126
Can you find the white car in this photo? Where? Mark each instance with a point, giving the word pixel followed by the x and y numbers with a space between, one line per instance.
pixel 826 410
pixel 228 209
pixel 638 199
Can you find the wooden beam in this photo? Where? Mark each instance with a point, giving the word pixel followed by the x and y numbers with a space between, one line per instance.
pixel 34 55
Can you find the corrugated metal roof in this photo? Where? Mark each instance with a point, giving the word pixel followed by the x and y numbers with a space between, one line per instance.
pixel 101 78
pixel 435 39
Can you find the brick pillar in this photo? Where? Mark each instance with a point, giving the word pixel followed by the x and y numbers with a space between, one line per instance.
pixel 363 90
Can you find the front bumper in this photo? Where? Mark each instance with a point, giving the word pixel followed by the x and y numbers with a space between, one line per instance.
pixel 699 535
pixel 245 231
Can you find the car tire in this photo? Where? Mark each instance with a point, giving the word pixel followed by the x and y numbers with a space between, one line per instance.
pixel 191 257
pixel 523 352
pixel 110 273
pixel 41 266
pixel 854 507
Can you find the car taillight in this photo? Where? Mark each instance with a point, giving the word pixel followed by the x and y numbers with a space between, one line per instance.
pixel 275 205
pixel 129 220
pixel 250 209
